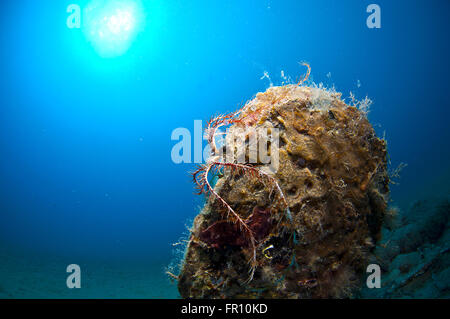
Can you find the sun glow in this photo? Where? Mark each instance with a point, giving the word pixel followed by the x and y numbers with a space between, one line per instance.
pixel 111 26
pixel 121 22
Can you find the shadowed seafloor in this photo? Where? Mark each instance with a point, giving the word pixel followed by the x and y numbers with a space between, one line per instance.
pixel 31 275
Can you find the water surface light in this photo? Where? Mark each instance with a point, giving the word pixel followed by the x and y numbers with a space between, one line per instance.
pixel 111 26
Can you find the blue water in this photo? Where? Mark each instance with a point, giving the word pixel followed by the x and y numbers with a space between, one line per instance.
pixel 86 174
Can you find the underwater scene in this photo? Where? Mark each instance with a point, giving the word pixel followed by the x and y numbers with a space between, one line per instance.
pixel 248 149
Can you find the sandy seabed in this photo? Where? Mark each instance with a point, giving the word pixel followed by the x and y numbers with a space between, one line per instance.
pixel 24 275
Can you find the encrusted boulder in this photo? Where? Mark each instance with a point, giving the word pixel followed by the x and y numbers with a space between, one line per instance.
pixel 309 225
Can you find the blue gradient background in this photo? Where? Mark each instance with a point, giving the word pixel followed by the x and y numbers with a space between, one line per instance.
pixel 85 166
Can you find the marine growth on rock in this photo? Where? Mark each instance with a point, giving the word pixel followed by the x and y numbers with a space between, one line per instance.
pixel 303 227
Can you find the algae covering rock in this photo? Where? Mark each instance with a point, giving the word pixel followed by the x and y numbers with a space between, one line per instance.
pixel 305 229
